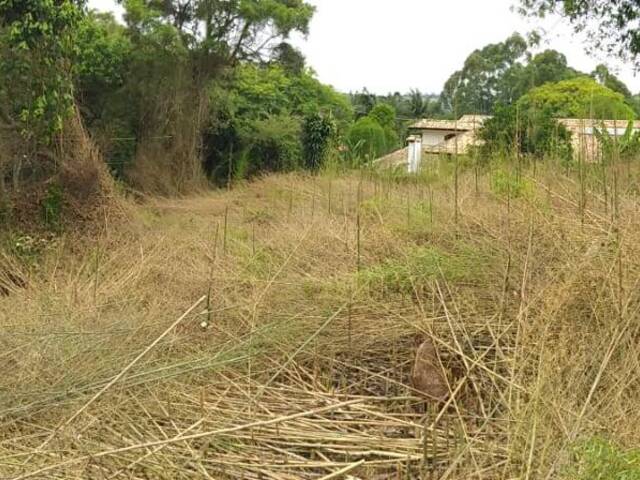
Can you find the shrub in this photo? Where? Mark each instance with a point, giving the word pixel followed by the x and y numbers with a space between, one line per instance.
pixel 273 145
pixel 316 137
pixel 370 136
pixel 505 183
pixel 533 132
pixel 385 115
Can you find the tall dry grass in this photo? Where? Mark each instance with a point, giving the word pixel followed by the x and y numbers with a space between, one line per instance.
pixel 303 298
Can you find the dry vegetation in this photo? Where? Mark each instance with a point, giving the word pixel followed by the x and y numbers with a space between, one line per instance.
pixel 303 298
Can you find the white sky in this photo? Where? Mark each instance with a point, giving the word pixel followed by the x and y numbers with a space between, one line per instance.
pixel 395 45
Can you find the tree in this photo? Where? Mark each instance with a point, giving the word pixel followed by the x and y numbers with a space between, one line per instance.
pixel 231 30
pixel 545 67
pixel 269 92
pixel 272 144
pixel 101 73
pixel 289 58
pixel 533 132
pixel 501 73
pixel 480 83
pixel 369 136
pixel 418 105
pixel 610 25
pixel 37 41
pixel 580 97
pixel 179 48
pixel 604 77
pixel 363 102
pixel 385 115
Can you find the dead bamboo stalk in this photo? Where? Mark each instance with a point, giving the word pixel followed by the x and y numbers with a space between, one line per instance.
pixel 115 379
pixel 182 438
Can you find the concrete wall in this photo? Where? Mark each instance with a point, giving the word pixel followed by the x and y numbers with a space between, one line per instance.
pixel 585 144
pixel 433 137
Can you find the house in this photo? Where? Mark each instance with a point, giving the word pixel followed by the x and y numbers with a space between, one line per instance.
pixel 584 140
pixel 450 137
pixel 442 137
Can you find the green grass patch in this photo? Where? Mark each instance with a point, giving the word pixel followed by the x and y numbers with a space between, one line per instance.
pixel 508 184
pixel 423 264
pixel 600 459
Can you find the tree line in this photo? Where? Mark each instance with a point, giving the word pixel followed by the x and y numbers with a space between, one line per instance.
pixel 185 93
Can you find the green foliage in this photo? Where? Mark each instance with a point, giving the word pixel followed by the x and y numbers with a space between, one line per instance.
pixel 261 91
pixel 256 94
pixel 580 97
pixel 230 31
pixel 599 459
pixel 545 67
pixel 273 144
pixel 52 207
pixel 531 126
pixel 103 83
pixel 500 74
pixel 289 58
pixel 385 115
pixel 37 49
pixel 507 184
pixel 316 137
pixel 532 132
pixel 624 146
pixel 369 137
pixel 480 83
pixel 416 105
pixel 423 264
pixel 610 26
pixel 604 77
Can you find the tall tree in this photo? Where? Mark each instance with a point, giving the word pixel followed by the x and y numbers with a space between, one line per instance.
pixel 180 47
pixel 233 29
pixel 418 104
pixel 604 77
pixel 611 25
pixel 480 83
pixel 580 97
pixel 37 39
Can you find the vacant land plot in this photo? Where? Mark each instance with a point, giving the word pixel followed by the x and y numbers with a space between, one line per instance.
pixel 268 332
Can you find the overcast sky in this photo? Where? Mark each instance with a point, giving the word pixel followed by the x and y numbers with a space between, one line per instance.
pixel 395 45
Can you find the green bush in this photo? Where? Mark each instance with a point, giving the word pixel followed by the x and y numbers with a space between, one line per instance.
pixel 531 132
pixel 273 145
pixel 369 136
pixel 385 115
pixel 316 138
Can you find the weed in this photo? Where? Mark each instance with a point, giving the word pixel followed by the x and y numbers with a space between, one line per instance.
pixel 601 459
pixel 421 265
pixel 52 207
pixel 504 183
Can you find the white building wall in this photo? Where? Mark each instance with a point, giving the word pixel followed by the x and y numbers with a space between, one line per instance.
pixel 433 137
pixel 414 152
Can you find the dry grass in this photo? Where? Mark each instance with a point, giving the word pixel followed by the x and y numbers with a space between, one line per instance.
pixel 304 297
